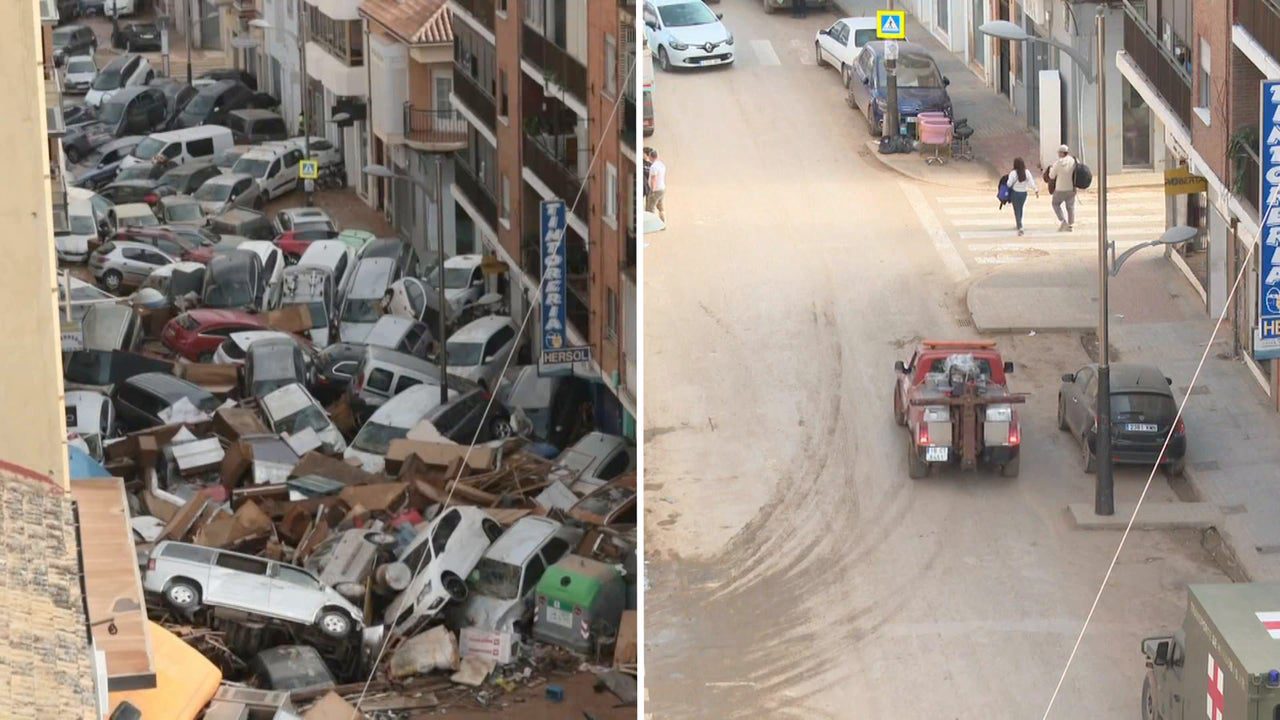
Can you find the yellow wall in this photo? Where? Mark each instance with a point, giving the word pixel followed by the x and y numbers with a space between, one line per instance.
pixel 32 423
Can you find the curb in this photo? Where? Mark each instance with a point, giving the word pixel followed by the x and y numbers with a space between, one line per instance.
pixel 1231 543
pixel 873 147
pixel 1154 516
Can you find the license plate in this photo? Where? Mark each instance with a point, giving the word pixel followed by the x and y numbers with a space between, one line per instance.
pixel 936 454
pixel 556 616
pixel 1140 427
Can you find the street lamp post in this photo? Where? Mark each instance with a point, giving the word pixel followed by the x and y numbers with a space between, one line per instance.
pixel 442 355
pixel 300 38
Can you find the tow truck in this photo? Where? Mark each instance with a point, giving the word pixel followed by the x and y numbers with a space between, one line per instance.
pixel 953 398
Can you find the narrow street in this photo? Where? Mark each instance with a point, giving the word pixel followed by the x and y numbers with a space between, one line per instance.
pixel 794 569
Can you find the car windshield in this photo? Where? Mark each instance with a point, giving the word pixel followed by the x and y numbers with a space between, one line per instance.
pixel 227 158
pixel 111 112
pixel 496 579
pixel 464 353
pixel 319 314
pixel 82 225
pixel 308 417
pixel 148 148
pixel 454 278
pixel 213 191
pixel 361 310
pixel 685 14
pixel 88 367
pixel 275 363
pixel 230 284
pixel 185 211
pixel 136 172
pixel 315 226
pixel 914 71
pixel 108 79
pixel 61 38
pixel 139 220
pixel 375 438
pixel 201 104
pixel 1142 406
pixel 81 65
pixel 862 37
pixel 251 166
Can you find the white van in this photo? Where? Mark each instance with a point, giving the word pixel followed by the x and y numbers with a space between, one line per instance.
pixel 274 167
pixel 179 146
pixel 86 211
pixel 335 256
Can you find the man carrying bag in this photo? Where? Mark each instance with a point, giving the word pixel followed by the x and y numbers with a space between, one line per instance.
pixel 1061 178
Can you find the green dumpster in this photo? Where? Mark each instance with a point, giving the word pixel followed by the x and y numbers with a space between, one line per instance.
pixel 579 601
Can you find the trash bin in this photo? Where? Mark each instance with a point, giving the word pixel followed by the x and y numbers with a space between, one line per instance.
pixel 578 601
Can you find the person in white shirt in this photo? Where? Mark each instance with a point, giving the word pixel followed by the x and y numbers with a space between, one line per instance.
pixel 657 186
pixel 1020 182
pixel 1062 172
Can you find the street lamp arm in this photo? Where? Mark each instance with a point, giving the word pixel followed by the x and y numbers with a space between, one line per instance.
pixel 1084 62
pixel 1115 264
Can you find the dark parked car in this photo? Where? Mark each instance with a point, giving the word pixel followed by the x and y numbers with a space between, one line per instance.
pixel 136 36
pixel 81 140
pixel 212 103
pixel 1142 416
pixel 121 192
pixel 551 403
pixel 78 114
pixel 188 177
pixel 335 366
pixel 272 363
pixel 141 399
pixel 137 110
pixel 921 86
pixel 68 10
pixel 177 95
pixel 396 249
pixel 250 126
pixel 145 171
pixel 245 78
pixel 71 40
pixel 104 162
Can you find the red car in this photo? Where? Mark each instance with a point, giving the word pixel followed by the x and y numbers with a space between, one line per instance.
pixel 192 244
pixel 297 228
pixel 196 335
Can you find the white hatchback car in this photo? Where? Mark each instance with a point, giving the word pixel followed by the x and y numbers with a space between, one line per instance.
pixel 685 33
pixel 439 559
pixel 478 351
pixel 393 421
pixel 463 281
pixel 291 410
pixel 91 416
pixel 840 44
pixel 233 349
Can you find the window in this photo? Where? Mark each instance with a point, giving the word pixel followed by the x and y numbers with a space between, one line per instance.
pixel 506 199
pixel 412 337
pixel 532 574
pixel 240 563
pixel 344 369
pixel 1205 82
pixel 405 383
pixel 196 148
pixel 444 530
pixel 502 6
pixel 294 576
pixel 499 339
pixel 554 550
pixel 610 66
pixel 611 314
pixel 502 93
pixel 615 466
pixel 194 553
pixel 380 380
pixel 611 194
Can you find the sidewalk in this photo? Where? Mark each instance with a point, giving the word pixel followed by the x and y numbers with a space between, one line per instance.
pixel 1233 460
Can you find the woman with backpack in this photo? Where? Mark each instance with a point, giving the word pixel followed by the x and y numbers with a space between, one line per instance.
pixel 1020 182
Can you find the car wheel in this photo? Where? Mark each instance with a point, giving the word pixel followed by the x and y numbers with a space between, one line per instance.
pixel 334 623
pixel 454 586
pixel 817 53
pixel 1062 414
pixel 845 75
pixel 664 61
pixel 916 466
pixel 183 595
pixel 73 155
pixel 899 413
pixel 1148 702
pixel 112 280
pixel 500 428
pixel 1175 468
pixel 1010 469
pixel 1088 460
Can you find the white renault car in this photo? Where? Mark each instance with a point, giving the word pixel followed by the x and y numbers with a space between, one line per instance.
pixel 478 351
pixel 291 410
pixel 463 281
pixel 685 33
pixel 839 44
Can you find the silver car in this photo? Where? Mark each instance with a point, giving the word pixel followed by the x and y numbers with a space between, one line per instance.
pixel 191 576
pixel 123 263
pixel 229 190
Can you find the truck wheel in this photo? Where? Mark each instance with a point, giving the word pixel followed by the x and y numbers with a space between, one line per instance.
pixel 1148 702
pixel 899 415
pixel 1175 468
pixel 1088 460
pixel 1010 469
pixel 916 466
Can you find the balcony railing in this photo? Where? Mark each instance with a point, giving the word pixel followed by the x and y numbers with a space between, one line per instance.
pixel 555 62
pixel 551 167
pixel 481 10
pixel 1246 168
pixel 477 100
pixel 1170 80
pixel 475 191
pixel 434 126
pixel 1262 19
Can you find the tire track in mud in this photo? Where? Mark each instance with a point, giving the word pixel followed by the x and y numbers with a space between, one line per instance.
pixel 776 599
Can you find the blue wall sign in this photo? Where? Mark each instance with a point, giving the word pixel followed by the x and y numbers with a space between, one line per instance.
pixel 554 258
pixel 1266 339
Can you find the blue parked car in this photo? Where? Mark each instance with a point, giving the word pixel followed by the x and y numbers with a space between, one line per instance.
pixel 104 162
pixel 921 86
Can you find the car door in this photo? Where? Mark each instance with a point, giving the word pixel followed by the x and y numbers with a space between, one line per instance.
pixel 829 44
pixel 289 167
pixel 295 594
pixel 240 582
pixel 133 266
pixel 863 83
pixel 240 195
pixel 275 181
pixel 150 260
pixel 1078 401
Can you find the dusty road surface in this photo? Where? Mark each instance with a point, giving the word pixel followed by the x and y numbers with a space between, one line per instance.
pixel 794 570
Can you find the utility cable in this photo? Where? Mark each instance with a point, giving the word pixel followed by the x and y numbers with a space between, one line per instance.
pixel 1137 508
pixel 373 669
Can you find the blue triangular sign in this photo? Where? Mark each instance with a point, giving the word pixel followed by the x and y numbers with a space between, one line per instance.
pixel 890 25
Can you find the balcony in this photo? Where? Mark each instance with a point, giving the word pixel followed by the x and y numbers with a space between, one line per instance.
pixel 475 192
pixel 1262 19
pixel 555 62
pixel 1161 69
pixel 476 100
pixel 1246 168
pixel 480 10
pixel 550 162
pixel 434 130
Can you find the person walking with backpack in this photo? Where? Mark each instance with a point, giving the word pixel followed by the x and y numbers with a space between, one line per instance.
pixel 1020 183
pixel 1061 176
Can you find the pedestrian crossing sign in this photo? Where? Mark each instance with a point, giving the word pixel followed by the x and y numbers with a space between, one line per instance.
pixel 308 170
pixel 891 25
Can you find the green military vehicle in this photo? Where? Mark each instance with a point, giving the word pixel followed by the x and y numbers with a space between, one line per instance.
pixel 1224 664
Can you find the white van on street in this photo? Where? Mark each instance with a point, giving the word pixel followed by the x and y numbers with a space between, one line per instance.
pixel 179 146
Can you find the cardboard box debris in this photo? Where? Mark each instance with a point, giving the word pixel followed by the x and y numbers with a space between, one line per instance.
pixel 197 456
pixel 179 526
pixel 556 497
pixel 290 319
pixel 225 531
pixel 435 649
pixel 314 463
pixel 473 671
pixel 233 423
pixel 217 379
pixel 481 459
pixel 487 644
pixel 378 498
pixel 333 707
pixel 625 650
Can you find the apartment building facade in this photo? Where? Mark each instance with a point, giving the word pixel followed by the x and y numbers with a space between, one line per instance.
pixel 543 86
pixel 1198 68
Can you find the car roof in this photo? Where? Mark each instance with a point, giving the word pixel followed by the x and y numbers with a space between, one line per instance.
pixel 166 385
pixel 376 268
pixel 183 265
pixel 190 167
pixel 82 57
pixel 178 200
pixel 133 244
pixel 133 210
pixel 464 261
pixel 324 251
pixel 287 400
pixel 304 213
pixel 1133 377
pixel 480 328
pixel 91 401
pixel 245 338
pixel 261 248
pixel 859 23
pixel 228 178
pixel 265 152
pixel 410 406
pixel 904 48
pixel 209 316
pixel 392 326
pixel 524 538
